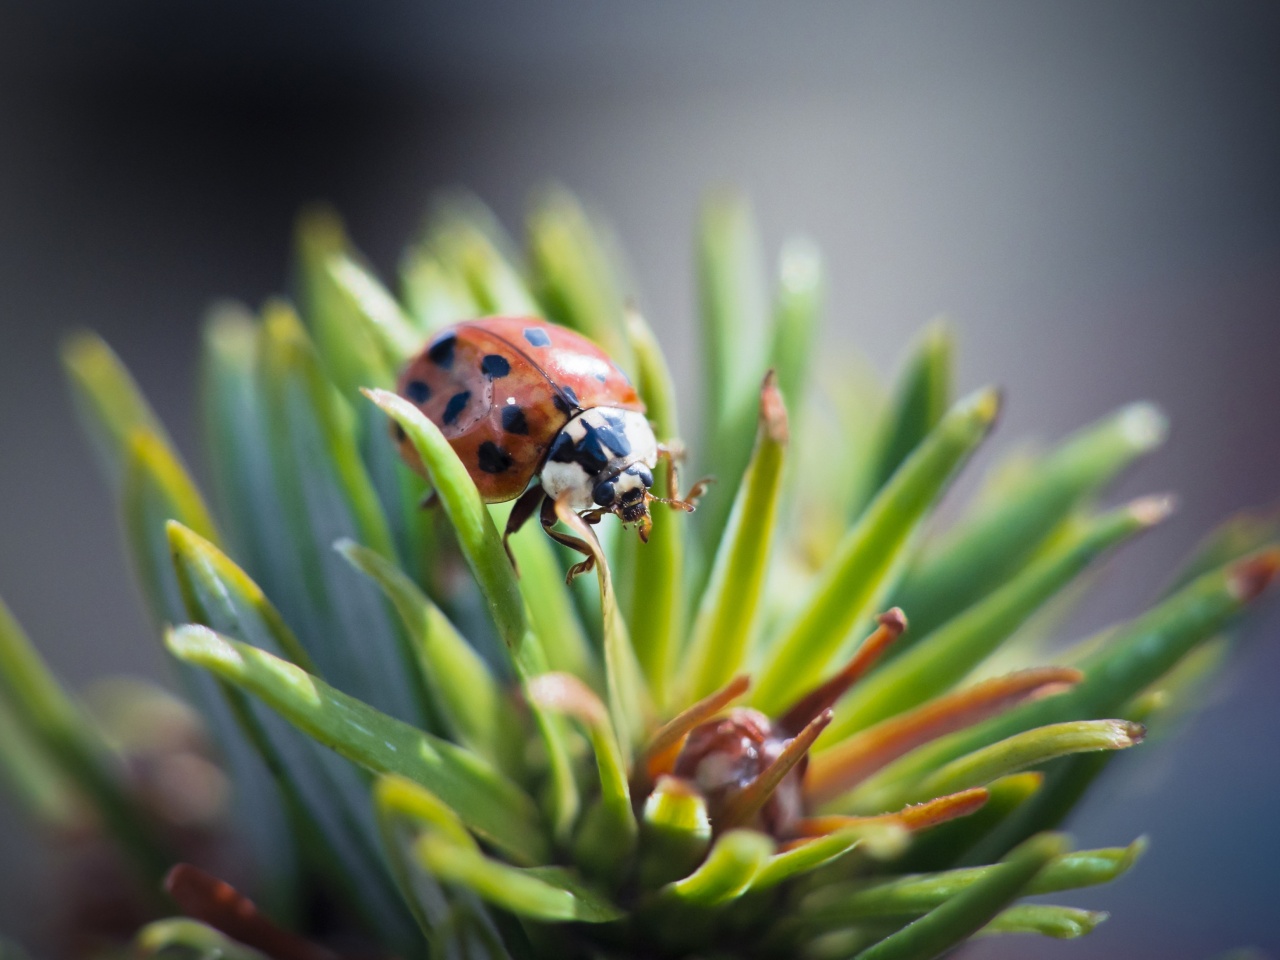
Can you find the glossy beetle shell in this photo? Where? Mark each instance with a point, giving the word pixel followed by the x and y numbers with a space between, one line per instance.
pixel 502 388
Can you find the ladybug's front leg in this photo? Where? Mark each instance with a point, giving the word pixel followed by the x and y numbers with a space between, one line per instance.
pixel 519 516
pixel 549 518
pixel 670 454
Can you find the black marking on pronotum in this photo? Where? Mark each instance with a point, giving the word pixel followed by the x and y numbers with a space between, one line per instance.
pixel 614 433
pixel 565 399
pixel 455 406
pixel 441 352
pixel 597 447
pixel 494 366
pixel 513 420
pixel 588 456
pixel 417 391
pixel 492 458
pixel 537 336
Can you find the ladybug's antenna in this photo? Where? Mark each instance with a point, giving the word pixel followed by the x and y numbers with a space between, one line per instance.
pixel 688 505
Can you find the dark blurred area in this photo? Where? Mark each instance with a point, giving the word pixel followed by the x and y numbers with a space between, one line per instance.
pixel 1090 190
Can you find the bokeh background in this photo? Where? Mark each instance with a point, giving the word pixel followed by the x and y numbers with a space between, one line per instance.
pixel 1090 190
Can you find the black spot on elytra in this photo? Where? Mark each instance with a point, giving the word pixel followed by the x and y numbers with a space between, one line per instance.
pixel 513 420
pixel 455 406
pixel 601 377
pixel 494 366
pixel 441 352
pixel 565 399
pixel 417 391
pixel 537 336
pixel 492 458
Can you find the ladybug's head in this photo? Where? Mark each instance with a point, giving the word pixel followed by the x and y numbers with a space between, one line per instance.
pixel 626 493
pixel 602 462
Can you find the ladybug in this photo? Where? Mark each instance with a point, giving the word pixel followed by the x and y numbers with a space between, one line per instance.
pixel 540 413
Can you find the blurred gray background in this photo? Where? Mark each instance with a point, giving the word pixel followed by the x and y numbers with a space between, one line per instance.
pixel 1090 190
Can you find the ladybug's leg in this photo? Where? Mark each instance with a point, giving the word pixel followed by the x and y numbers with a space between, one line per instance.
pixel 525 508
pixel 548 518
pixel 670 454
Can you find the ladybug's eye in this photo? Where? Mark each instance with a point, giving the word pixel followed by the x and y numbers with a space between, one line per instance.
pixel 645 477
pixel 603 493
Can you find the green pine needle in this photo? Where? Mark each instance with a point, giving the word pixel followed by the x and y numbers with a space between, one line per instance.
pixel 470 758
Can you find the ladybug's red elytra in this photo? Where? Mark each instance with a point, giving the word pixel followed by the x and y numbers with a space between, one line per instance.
pixel 540 413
